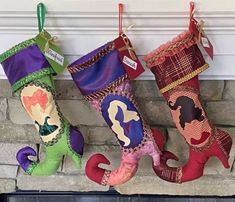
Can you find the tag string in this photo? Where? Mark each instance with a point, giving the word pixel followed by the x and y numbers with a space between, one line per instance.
pixel 192 20
pixel 200 30
pixel 41 13
pixel 192 9
pixel 128 47
pixel 120 12
pixel 52 40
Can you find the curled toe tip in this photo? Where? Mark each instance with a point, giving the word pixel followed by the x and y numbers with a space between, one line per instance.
pixel 166 155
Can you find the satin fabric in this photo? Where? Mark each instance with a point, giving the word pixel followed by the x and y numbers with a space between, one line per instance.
pixel 133 129
pixel 100 74
pixel 76 140
pixel 23 63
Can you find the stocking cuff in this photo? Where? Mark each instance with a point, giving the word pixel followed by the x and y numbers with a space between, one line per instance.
pixel 24 63
pixel 98 71
pixel 176 62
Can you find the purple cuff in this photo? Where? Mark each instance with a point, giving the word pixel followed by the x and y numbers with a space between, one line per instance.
pixel 97 69
pixel 24 63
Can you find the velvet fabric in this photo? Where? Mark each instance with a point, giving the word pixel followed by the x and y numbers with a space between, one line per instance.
pixel 176 66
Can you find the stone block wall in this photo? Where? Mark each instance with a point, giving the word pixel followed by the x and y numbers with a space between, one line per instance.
pixel 17 131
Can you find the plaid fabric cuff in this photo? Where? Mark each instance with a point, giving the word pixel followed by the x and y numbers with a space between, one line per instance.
pixel 176 62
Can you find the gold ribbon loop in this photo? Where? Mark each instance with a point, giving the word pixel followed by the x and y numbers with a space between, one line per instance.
pixel 52 40
pixel 200 27
pixel 128 47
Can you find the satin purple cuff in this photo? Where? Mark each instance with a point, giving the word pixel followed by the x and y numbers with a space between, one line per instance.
pixel 23 63
pixel 97 76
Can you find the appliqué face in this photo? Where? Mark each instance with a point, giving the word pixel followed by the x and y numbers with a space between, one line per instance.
pixel 188 110
pixel 123 118
pixel 41 107
pixel 190 117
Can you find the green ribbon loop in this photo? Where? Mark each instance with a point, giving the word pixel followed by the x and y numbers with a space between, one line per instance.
pixel 41 14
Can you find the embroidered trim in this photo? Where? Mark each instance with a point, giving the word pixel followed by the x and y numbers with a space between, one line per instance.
pixel 177 44
pixel 182 88
pixel 221 135
pixel 16 48
pixel 108 89
pixel 69 144
pixel 179 174
pixel 147 137
pixel 184 79
pixel 31 167
pixel 64 124
pixel 105 177
pixel 31 77
pixel 92 60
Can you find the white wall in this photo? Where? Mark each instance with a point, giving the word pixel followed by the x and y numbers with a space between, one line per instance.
pixel 83 25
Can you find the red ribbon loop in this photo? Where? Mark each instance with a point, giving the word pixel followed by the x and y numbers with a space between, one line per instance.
pixel 191 18
pixel 120 12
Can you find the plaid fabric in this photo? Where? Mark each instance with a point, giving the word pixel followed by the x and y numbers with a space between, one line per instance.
pixel 179 68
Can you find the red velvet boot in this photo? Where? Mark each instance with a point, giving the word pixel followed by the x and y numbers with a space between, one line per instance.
pixel 176 66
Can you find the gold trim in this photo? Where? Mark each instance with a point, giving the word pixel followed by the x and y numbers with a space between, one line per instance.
pixel 183 88
pixel 77 68
pixel 185 78
pixel 179 174
pixel 107 90
pixel 105 177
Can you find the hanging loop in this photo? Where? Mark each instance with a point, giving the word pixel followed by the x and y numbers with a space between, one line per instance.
pixel 120 13
pixel 41 14
pixel 192 9
pixel 191 15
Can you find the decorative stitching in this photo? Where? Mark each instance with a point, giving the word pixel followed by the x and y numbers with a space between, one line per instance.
pixel 105 178
pixel 64 124
pixel 179 174
pixel 184 79
pixel 31 167
pixel 169 49
pixel 108 89
pixel 92 60
pixel 17 48
pixel 182 88
pixel 31 77
pixel 223 135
